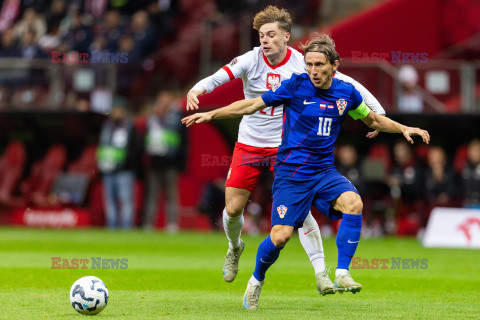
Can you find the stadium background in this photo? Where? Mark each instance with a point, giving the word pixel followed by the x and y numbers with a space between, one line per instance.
pixel 52 109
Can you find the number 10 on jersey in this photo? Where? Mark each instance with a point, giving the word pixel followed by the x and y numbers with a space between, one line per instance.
pixel 324 126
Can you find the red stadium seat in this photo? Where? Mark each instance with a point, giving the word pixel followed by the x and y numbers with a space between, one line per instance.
pixel 43 174
pixel 86 163
pixel 12 164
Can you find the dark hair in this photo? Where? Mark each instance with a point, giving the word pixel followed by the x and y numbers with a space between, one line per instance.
pixel 324 44
pixel 273 14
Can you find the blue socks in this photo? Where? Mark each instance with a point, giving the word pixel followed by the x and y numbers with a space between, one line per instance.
pixel 348 236
pixel 267 254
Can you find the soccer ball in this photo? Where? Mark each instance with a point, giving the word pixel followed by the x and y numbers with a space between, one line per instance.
pixel 89 295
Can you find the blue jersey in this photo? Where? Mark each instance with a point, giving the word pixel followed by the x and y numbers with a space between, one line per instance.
pixel 311 122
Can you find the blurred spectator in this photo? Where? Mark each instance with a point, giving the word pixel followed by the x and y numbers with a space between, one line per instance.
pixel 407 185
pixel 471 175
pixel 407 173
pixel 162 13
pixel 127 44
pixel 80 36
pixel 409 99
pixel 117 158
pixel 56 13
pixel 98 46
pixel 143 33
pixel 166 146
pixel 96 7
pixel 30 21
pixel 50 41
pixel 8 46
pixel 125 72
pixel 29 47
pixel 112 29
pixel 439 178
pixel 348 165
pixel 66 23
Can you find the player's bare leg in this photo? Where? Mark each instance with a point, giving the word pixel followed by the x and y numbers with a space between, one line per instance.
pixel 348 237
pixel 311 241
pixel 235 201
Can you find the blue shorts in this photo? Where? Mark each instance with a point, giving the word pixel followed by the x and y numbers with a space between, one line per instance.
pixel 292 198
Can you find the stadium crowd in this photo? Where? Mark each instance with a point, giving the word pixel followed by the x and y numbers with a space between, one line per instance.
pixel 400 186
pixel 32 29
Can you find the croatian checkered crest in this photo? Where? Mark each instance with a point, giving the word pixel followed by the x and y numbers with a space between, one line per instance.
pixel 282 210
pixel 341 105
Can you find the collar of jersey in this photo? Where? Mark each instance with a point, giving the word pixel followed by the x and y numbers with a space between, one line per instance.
pixel 285 60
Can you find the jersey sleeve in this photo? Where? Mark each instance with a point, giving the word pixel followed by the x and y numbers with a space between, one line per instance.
pixel 359 109
pixel 368 98
pixel 237 68
pixel 211 82
pixel 282 94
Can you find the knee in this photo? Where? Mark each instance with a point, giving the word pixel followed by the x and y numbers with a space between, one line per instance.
pixel 355 206
pixel 234 208
pixel 281 236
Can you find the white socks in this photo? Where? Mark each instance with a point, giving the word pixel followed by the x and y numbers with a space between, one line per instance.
pixel 339 272
pixel 309 237
pixel 233 229
pixel 311 241
pixel 255 282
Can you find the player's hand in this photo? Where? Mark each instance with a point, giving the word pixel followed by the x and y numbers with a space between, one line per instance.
pixel 409 132
pixel 192 100
pixel 197 118
pixel 372 134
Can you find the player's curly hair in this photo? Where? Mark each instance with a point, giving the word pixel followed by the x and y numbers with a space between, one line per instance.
pixel 273 14
pixel 321 43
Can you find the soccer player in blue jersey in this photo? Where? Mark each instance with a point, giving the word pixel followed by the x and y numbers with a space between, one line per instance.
pixel 315 104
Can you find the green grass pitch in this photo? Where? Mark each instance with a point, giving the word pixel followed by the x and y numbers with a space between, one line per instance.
pixel 180 277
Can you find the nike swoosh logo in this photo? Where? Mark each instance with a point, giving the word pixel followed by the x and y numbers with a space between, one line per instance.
pixel 352 241
pixel 265 261
pixel 305 102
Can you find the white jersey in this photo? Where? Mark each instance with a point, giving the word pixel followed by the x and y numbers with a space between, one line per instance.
pixel 264 128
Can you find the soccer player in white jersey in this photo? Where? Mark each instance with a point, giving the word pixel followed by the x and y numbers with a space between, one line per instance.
pixel 262 69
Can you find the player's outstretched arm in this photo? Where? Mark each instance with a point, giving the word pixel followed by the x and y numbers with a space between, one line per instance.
pixel 235 69
pixel 385 124
pixel 373 134
pixel 234 110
